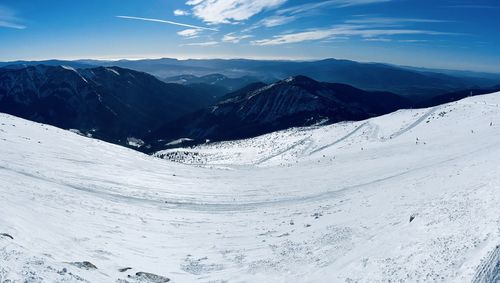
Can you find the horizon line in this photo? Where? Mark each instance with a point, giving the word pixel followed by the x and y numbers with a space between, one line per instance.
pixel 249 58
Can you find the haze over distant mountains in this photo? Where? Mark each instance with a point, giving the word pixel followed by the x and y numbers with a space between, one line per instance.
pixel 415 83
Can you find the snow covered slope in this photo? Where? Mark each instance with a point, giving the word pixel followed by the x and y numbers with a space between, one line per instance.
pixel 410 196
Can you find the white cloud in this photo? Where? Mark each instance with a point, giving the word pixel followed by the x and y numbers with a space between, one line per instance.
pixel 6 24
pixel 230 11
pixel 194 2
pixel 269 22
pixel 401 40
pixel 8 19
pixel 208 43
pixel 233 38
pixel 277 21
pixel 294 13
pixel 304 8
pixel 378 39
pixel 413 40
pixel 345 30
pixel 392 21
pixel 179 12
pixel 191 33
pixel 165 22
pixel 295 37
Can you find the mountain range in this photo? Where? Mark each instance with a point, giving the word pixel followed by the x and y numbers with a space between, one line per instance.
pixel 415 83
pixel 135 108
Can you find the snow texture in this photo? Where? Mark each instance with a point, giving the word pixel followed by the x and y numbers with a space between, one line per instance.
pixel 407 197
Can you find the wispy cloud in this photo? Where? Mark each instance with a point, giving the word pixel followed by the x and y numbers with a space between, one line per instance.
pixel 277 21
pixel 208 43
pixel 6 24
pixel 399 40
pixel 307 8
pixel 380 21
pixel 189 33
pixel 474 6
pixel 8 19
pixel 290 14
pixel 166 22
pixel 179 12
pixel 230 11
pixel 364 31
pixel 378 39
pixel 270 22
pixel 234 38
pixel 413 40
pixel 295 37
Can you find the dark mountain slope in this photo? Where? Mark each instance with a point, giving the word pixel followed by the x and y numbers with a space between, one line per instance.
pixel 54 63
pixel 109 103
pixel 457 95
pixel 297 101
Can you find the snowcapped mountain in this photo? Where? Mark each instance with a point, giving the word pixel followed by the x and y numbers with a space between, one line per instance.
pixel 411 196
pixel 296 101
pixel 107 102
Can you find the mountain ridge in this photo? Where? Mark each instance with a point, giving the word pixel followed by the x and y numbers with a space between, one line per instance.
pixel 111 103
pixel 416 83
pixel 296 101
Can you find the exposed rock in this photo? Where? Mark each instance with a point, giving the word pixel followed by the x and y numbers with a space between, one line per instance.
pixel 84 265
pixel 149 277
pixel 412 217
pixel 6 235
pixel 124 269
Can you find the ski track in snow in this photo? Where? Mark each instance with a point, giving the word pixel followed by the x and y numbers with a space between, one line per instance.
pixel 489 270
pixel 263 160
pixel 319 204
pixel 341 139
pixel 416 123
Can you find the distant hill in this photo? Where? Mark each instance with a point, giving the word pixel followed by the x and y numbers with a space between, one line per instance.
pixel 457 95
pixel 219 80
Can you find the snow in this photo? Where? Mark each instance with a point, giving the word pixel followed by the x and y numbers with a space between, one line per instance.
pixel 69 68
pixel 135 142
pixel 74 70
pixel 323 204
pixel 113 71
pixel 178 141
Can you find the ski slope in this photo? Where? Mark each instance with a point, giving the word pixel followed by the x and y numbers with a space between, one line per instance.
pixel 320 204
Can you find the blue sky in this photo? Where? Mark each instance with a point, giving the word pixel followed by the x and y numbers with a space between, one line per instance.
pixel 460 34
